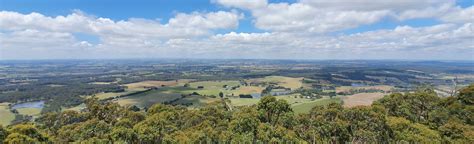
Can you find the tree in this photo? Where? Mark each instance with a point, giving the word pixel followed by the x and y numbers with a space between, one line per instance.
pixel 3 133
pixel 221 94
pixel 156 127
pixel 367 124
pixel 404 130
pixel 186 85
pixel 123 134
pixel 90 130
pixel 245 123
pixel 271 109
pixel 25 133
pixel 16 138
pixel 413 106
pixel 466 95
pixel 455 131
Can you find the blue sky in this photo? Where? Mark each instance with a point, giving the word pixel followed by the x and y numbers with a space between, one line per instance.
pixel 296 29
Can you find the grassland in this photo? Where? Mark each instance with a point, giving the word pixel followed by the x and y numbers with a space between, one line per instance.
pixel 306 107
pixel 287 82
pixel 245 90
pixel 197 101
pixel 212 87
pixel 243 101
pixel 101 96
pixel 299 105
pixel 5 115
pixel 29 111
pixel 76 108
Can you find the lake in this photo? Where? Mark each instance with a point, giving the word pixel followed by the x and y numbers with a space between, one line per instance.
pixel 33 104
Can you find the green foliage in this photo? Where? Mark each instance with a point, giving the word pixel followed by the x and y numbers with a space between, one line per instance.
pixel 25 133
pixel 271 109
pixel 3 133
pixel 466 95
pixel 419 117
pixel 405 130
pixel 412 106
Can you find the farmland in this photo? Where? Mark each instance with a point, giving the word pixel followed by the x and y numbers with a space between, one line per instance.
pixel 64 85
pixel 306 107
pixel 361 99
pixel 6 115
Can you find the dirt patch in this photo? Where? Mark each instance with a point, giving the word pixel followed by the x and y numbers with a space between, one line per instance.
pixel 359 99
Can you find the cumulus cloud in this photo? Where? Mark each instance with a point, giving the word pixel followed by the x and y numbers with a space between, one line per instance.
pixel 443 41
pixel 183 25
pixel 304 18
pixel 322 16
pixel 307 29
pixel 22 32
pixel 243 4
pixel 369 5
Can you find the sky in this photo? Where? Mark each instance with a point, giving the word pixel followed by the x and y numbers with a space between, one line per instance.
pixel 237 29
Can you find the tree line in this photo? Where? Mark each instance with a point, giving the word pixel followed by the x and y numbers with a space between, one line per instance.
pixel 417 117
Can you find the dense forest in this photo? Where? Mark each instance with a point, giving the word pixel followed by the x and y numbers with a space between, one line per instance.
pixel 418 117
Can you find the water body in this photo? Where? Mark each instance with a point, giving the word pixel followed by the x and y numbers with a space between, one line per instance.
pixel 256 95
pixel 358 85
pixel 33 104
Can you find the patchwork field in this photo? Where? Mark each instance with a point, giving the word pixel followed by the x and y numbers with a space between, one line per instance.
pixel 287 82
pixel 299 105
pixel 149 98
pixel 5 115
pixel 361 99
pixel 144 84
pixel 212 87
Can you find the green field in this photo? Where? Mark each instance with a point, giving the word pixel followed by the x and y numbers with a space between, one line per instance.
pixel 299 105
pixel 288 82
pixel 29 111
pixel 5 115
pixel 149 98
pixel 250 101
pixel 243 101
pixel 76 108
pixel 197 101
pixel 306 107
pixel 110 94
pixel 212 87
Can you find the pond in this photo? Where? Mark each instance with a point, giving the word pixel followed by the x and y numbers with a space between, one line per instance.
pixel 358 85
pixel 256 95
pixel 33 104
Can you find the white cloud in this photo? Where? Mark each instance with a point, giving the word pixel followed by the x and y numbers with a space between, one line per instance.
pixel 300 17
pixel 444 41
pixel 243 4
pixel 24 33
pixel 183 25
pixel 304 18
pixel 369 5
pixel 296 30
pixel 322 16
pixel 459 15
